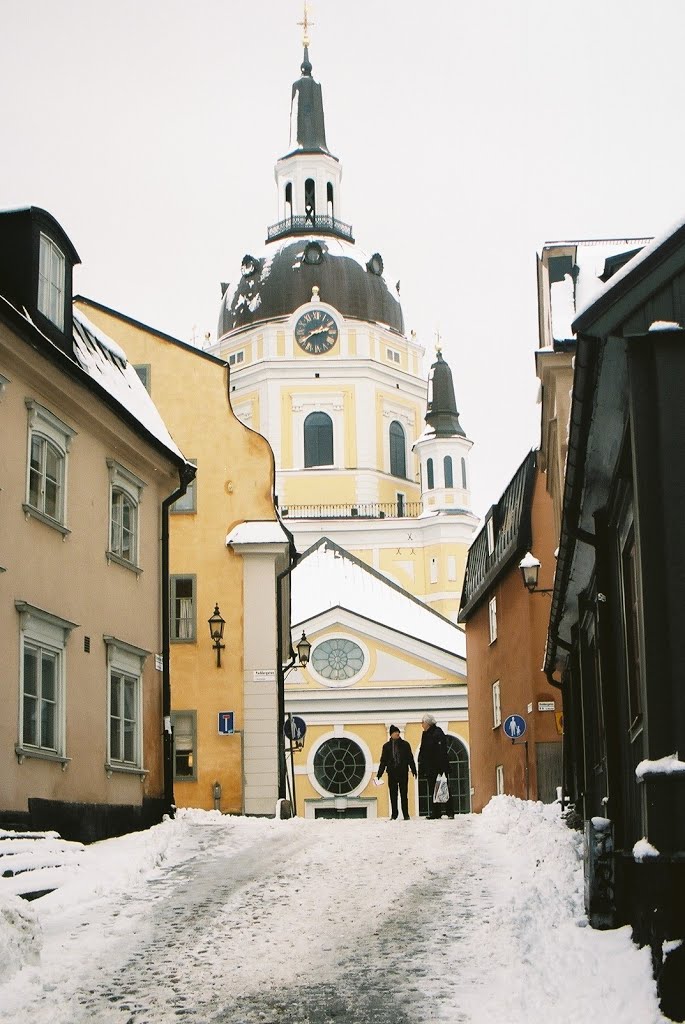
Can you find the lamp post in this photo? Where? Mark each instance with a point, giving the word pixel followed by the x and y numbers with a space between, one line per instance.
pixel 303 648
pixel 530 570
pixel 216 631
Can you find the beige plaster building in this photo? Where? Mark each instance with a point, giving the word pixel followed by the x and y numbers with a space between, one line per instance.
pixel 87 473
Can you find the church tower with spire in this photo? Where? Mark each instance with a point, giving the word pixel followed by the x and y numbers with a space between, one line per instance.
pixel 311 324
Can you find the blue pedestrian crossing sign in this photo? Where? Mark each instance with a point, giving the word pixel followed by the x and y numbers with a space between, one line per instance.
pixel 226 723
pixel 514 726
pixel 294 728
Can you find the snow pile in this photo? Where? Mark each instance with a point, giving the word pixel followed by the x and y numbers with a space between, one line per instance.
pixel 20 935
pixel 541 945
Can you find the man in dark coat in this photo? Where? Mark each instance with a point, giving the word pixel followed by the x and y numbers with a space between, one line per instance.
pixel 397 759
pixel 434 761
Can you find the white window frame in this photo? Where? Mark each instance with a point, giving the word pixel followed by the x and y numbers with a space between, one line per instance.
pixel 43 631
pixel 452 568
pixel 490 529
pixel 123 481
pixel 393 356
pixel 496 704
pixel 236 358
pixel 52 280
pixel 434 570
pixel 125 661
pixel 45 427
pixel 499 780
pixel 492 618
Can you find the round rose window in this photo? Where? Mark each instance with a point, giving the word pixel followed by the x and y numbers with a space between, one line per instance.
pixel 338 659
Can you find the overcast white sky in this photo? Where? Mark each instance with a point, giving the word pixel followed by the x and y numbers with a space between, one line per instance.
pixel 470 133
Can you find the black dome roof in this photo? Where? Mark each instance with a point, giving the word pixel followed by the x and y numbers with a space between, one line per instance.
pixel 276 283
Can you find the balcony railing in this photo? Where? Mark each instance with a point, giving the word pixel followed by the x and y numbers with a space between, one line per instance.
pixel 371 510
pixel 307 225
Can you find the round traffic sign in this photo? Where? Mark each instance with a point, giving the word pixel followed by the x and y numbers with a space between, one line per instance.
pixel 514 726
pixel 294 727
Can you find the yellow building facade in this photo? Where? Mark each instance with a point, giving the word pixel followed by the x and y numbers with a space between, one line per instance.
pixel 234 770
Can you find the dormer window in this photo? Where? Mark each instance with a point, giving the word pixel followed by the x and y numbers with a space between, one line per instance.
pixel 51 281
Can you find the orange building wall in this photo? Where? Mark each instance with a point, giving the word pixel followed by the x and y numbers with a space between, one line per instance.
pixel 515 659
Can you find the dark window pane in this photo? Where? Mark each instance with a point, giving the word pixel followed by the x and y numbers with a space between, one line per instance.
pixel 449 480
pixel 429 474
pixel 318 440
pixel 398 457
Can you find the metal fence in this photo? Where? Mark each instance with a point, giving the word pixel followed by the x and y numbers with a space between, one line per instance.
pixel 303 225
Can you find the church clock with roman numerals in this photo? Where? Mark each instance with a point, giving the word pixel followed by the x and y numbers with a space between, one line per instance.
pixel 316 331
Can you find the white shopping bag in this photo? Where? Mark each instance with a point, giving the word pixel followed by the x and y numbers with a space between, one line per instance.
pixel 441 793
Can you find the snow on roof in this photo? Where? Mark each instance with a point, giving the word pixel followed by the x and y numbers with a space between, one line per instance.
pixel 327 576
pixel 568 297
pixel 258 532
pixel 650 245
pixel 106 364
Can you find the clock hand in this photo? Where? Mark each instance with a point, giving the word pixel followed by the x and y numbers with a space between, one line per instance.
pixel 314 331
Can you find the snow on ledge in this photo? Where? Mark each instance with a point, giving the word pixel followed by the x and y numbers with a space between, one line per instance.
pixel 257 532
pixel 643 849
pixel 664 325
pixel 670 765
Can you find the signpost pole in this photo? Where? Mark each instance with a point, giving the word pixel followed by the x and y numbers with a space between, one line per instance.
pixel 292 764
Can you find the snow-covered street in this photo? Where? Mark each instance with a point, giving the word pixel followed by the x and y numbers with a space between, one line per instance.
pixel 237 920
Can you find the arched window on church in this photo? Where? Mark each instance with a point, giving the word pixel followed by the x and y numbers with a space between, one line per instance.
pixel 310 201
pixel 318 440
pixel 463 473
pixel 429 474
pixel 398 450
pixel 329 200
pixel 289 201
pixel 447 465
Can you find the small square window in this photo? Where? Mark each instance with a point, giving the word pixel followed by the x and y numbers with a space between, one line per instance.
pixel 236 357
pixel 499 779
pixel 188 501
pixel 184 725
pixel 496 705
pixel 183 613
pixel 144 372
pixel 492 618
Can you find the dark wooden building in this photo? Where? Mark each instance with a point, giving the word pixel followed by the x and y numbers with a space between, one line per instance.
pixel 619 598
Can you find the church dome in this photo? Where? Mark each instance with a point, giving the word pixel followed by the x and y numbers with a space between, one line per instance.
pixel 280 280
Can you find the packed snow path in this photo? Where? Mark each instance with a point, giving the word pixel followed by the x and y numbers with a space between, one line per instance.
pixel 324 922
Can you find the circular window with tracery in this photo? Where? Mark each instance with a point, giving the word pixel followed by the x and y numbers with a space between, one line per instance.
pixel 337 660
pixel 339 765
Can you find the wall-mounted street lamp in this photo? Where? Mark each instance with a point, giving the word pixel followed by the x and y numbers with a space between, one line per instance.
pixel 530 570
pixel 303 647
pixel 216 631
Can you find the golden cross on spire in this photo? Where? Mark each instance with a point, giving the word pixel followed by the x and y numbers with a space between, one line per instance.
pixel 438 342
pixel 305 25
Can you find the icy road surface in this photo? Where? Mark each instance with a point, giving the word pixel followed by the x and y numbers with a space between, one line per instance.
pixel 211 919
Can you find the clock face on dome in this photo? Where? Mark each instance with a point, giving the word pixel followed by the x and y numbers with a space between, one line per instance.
pixel 316 331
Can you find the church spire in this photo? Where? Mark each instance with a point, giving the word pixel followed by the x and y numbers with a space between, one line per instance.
pixel 307 125
pixel 441 413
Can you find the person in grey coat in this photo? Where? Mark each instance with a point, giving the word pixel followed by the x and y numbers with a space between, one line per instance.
pixel 397 759
pixel 433 761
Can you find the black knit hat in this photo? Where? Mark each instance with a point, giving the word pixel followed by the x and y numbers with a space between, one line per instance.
pixel 392 729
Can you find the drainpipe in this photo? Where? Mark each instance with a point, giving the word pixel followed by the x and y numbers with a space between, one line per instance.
pixel 186 474
pixel 282 669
